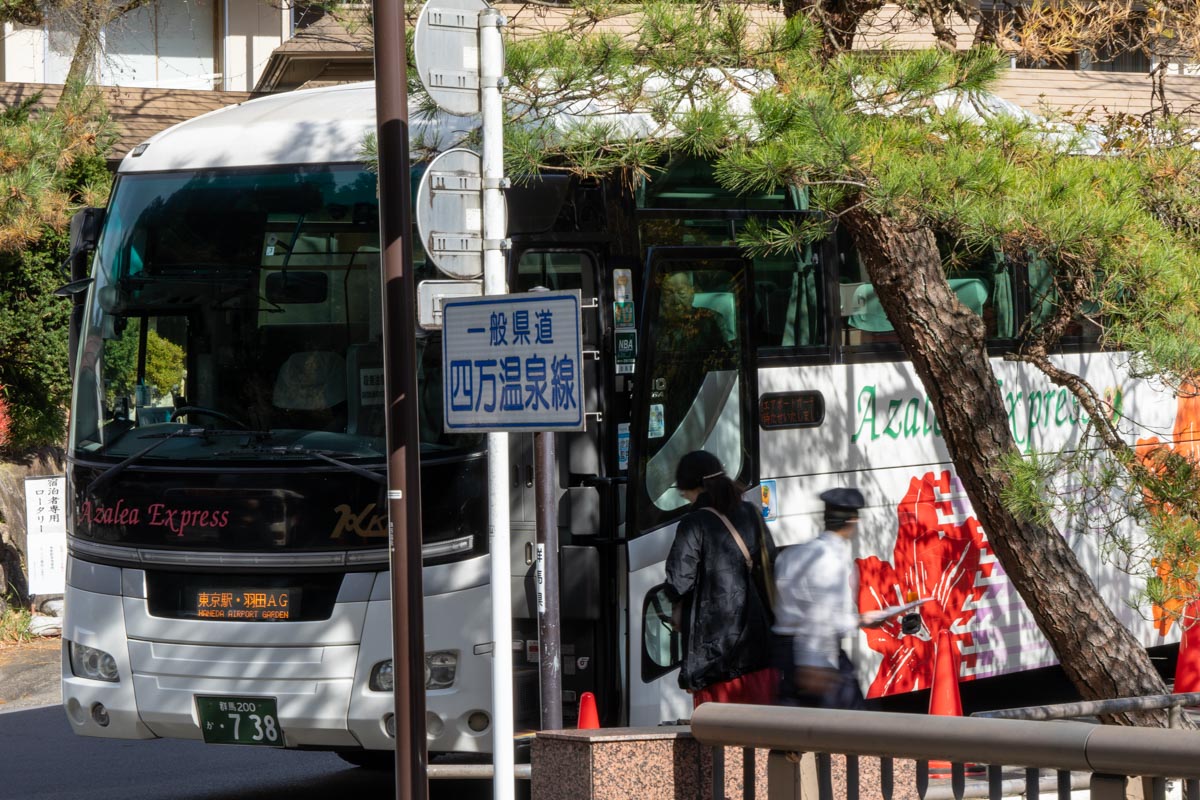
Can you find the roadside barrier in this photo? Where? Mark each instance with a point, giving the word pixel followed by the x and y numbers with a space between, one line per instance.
pixel 1104 756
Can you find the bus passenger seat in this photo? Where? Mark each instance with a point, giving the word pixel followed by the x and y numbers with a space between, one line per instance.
pixel 971 292
pixel 869 318
pixel 310 391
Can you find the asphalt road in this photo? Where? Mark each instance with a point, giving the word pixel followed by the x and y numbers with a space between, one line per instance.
pixel 41 759
pixel 29 674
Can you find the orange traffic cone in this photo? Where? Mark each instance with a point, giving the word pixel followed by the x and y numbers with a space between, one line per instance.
pixel 588 718
pixel 1187 668
pixel 944 700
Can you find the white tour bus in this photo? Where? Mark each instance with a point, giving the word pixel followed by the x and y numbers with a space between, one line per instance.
pixel 227 578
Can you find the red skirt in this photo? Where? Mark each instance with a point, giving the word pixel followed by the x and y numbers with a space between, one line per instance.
pixel 755 688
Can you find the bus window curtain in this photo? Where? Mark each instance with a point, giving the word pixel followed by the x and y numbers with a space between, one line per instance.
pixel 802 326
pixel 1002 299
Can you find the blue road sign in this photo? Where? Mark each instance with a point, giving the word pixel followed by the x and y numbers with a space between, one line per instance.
pixel 512 362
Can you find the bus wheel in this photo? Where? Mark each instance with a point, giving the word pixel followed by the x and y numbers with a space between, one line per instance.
pixel 369 759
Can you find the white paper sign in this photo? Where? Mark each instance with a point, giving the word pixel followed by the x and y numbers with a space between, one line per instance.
pixel 46 533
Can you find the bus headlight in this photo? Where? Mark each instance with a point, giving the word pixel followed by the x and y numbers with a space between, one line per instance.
pixel 382 677
pixel 96 665
pixel 440 668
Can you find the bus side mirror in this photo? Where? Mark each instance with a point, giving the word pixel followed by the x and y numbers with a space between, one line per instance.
pixel 85 234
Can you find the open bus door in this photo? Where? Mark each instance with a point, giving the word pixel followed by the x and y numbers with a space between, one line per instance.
pixel 695 390
pixel 583 482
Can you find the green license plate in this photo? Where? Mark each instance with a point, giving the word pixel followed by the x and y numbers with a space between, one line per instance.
pixel 239 720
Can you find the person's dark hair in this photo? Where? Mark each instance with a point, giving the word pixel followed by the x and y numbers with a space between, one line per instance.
pixel 835 519
pixel 702 470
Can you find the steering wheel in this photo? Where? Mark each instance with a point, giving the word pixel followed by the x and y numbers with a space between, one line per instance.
pixel 212 412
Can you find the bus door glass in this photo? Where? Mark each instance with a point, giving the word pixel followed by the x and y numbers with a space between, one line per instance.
pixel 694 390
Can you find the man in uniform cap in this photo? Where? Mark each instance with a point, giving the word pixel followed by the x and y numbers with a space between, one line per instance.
pixel 843 499
pixel 816 585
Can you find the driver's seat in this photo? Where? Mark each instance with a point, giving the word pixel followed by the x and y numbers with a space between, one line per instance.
pixel 310 391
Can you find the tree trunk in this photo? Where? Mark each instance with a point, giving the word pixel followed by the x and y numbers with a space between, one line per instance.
pixel 92 19
pixel 837 20
pixel 945 341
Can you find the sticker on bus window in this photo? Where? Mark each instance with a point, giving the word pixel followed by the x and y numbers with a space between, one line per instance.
pixel 770 501
pixel 658 425
pixel 622 285
pixel 370 386
pixel 623 314
pixel 623 446
pixel 625 344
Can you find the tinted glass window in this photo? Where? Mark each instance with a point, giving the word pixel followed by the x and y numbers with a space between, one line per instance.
pixel 695 366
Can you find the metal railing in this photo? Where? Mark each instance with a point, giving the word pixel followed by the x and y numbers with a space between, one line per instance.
pixel 1080 754
pixel 1097 708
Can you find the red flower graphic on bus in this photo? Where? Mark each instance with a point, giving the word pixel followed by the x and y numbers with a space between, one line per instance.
pixel 1177 570
pixel 937 554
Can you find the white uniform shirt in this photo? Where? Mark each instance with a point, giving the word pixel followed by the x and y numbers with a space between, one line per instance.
pixel 816 604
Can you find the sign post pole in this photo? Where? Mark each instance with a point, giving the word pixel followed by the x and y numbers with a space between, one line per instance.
pixel 460 59
pixel 548 611
pixel 399 345
pixel 491 64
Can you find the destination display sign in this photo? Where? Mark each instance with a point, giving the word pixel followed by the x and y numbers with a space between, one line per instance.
pixel 791 410
pixel 247 605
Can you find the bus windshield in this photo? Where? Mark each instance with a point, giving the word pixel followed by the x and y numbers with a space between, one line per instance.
pixel 235 322
pixel 241 301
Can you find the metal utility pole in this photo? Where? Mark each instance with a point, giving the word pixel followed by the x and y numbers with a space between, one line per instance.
pixel 491 65
pixel 460 59
pixel 400 379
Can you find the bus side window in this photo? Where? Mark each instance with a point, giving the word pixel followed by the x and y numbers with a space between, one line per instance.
pixel 551 270
pixel 983 284
pixel 864 314
pixel 1044 297
pixel 786 308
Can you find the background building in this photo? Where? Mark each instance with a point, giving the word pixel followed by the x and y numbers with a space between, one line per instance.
pixel 174 59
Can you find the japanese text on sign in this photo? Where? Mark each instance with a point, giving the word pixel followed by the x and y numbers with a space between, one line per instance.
pixel 512 362
pixel 46 534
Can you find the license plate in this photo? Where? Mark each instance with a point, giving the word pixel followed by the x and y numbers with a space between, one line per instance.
pixel 239 720
pixel 247 605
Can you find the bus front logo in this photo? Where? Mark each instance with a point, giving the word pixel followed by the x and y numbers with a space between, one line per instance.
pixel 365 523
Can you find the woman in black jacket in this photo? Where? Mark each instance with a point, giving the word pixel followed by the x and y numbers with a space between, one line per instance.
pixel 720 579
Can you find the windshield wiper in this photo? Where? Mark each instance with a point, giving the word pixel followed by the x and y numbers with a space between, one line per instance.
pixel 325 455
pixel 379 478
pixel 115 469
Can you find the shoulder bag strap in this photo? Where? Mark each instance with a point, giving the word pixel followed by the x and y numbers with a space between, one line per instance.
pixel 737 537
